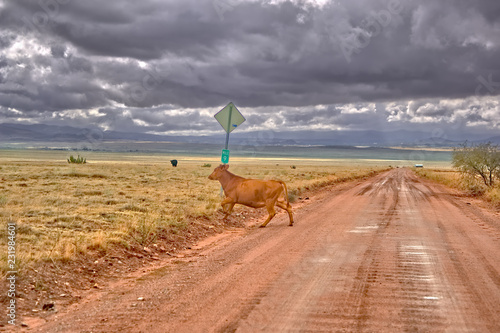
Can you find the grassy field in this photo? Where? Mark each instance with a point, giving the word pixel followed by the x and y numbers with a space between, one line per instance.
pixel 65 210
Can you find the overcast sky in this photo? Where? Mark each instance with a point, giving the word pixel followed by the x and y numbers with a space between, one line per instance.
pixel 167 66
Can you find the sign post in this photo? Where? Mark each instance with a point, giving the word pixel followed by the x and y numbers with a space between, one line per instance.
pixel 229 118
pixel 226 146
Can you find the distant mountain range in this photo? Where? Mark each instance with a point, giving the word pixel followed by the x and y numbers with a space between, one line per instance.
pixel 14 133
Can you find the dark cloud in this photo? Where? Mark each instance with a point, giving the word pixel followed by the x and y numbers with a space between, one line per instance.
pixel 160 65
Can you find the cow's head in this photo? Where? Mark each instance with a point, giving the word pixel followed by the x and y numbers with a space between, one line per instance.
pixel 218 172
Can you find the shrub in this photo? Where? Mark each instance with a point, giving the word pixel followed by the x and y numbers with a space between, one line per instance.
pixel 78 160
pixel 473 187
pixel 478 161
pixel 144 231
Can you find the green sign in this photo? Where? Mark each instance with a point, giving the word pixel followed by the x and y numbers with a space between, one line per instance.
pixel 229 117
pixel 225 156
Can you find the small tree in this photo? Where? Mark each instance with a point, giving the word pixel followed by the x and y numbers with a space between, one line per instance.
pixel 482 160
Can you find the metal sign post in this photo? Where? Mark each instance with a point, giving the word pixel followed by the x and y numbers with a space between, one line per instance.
pixel 228 126
pixel 229 118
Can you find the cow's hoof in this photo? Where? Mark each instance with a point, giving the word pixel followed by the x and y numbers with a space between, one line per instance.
pixel 262 226
pixel 290 225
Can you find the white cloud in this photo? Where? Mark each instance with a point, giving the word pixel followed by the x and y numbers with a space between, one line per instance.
pixel 356 109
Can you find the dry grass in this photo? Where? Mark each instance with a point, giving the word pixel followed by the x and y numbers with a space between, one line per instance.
pixel 448 177
pixel 63 211
pixel 454 179
pixel 493 196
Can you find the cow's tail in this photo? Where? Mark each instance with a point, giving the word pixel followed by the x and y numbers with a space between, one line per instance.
pixel 286 192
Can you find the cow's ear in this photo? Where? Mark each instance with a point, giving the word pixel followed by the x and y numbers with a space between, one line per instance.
pixel 226 166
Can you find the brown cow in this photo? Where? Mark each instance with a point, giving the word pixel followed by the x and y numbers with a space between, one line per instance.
pixel 252 193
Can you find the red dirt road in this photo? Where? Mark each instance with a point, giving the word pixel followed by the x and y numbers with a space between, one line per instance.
pixel 391 254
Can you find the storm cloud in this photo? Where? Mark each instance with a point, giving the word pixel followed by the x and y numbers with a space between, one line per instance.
pixel 168 66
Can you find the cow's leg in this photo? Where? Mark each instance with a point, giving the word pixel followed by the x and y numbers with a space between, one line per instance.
pixel 229 209
pixel 229 203
pixel 286 206
pixel 271 211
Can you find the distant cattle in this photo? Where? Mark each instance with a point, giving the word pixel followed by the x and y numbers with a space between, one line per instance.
pixel 253 193
pixel 174 163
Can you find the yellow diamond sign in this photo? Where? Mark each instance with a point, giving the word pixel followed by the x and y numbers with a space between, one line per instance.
pixel 229 117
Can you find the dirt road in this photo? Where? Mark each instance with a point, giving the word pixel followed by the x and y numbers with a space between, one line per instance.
pixel 391 254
